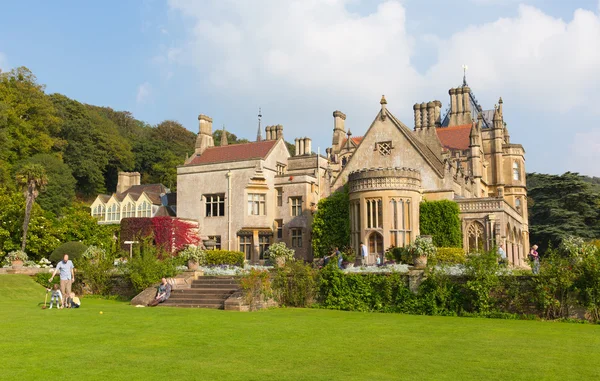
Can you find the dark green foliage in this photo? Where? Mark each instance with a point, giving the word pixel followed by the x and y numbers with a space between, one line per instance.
pixel 294 284
pixel 441 220
pixel 331 224
pixel 73 249
pixel 60 190
pixel 146 269
pixel 482 272
pixel 44 279
pixel 231 138
pixel 398 255
pixel 224 257
pixel 96 273
pixel 560 206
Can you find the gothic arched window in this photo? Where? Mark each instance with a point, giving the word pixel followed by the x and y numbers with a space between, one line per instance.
pixel 516 171
pixel 475 236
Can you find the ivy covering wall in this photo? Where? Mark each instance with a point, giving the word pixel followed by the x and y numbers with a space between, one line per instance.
pixel 331 223
pixel 441 220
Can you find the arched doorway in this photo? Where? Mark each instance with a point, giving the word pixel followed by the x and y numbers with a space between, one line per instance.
pixel 376 245
pixel 475 237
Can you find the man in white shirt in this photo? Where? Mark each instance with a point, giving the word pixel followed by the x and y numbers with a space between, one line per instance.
pixel 364 253
pixel 502 254
pixel 67 277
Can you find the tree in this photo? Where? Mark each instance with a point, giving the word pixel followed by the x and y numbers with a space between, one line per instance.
pixel 32 179
pixel 331 224
pixel 560 206
pixel 231 138
pixel 60 191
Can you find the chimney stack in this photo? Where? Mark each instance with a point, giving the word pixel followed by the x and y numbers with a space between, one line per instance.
pixel 127 180
pixel 278 132
pixel 417 112
pixel 430 114
pixel 204 138
pixel 339 130
pixel 307 146
pixel 297 143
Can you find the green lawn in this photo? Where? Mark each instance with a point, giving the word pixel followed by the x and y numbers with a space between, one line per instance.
pixel 285 344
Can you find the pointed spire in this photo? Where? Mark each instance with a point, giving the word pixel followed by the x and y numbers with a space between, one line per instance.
pixel 259 133
pixel 224 137
pixel 348 136
pixel 465 68
pixel 500 107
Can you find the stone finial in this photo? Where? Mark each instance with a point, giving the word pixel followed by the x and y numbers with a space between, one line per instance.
pixel 383 104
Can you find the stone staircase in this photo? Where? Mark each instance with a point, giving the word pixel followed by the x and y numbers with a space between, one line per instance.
pixel 205 292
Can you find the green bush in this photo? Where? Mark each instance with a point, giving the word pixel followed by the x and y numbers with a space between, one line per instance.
pixel 96 272
pixel 398 255
pixel 294 284
pixel 74 249
pixel 450 255
pixel 224 257
pixel 257 286
pixel 145 269
pixel 482 272
pixel 441 220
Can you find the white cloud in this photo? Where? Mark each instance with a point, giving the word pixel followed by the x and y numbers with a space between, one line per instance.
pixel 316 54
pixel 144 93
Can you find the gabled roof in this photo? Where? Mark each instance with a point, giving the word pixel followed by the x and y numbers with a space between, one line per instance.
pixel 435 162
pixel 152 191
pixel 355 139
pixel 455 137
pixel 235 152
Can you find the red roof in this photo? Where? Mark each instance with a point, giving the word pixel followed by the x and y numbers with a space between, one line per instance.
pixel 355 139
pixel 234 152
pixel 455 137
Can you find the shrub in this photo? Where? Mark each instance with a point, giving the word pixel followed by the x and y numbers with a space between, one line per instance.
pixel 96 270
pixel 279 251
pixel 294 284
pixel 257 286
pixel 193 253
pixel 145 269
pixel 93 252
pixel 450 255
pixel 398 255
pixel 421 247
pixel 74 249
pixel 482 271
pixel 224 257
pixel 441 220
pixel 17 255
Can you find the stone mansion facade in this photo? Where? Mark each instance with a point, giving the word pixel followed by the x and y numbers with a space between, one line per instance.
pixel 248 196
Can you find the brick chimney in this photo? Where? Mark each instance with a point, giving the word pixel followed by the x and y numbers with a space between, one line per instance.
pixel 126 180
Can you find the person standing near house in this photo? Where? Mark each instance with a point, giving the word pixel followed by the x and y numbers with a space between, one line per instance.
pixel 340 257
pixel 67 277
pixel 534 256
pixel 502 255
pixel 364 252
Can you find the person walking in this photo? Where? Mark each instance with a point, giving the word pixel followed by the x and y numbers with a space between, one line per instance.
pixel 502 255
pixel 67 277
pixel 535 257
pixel 364 252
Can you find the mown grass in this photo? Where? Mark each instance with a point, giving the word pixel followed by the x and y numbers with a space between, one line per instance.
pixel 128 343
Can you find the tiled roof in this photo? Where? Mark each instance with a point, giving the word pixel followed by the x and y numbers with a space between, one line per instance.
pixel 455 137
pixel 234 152
pixel 153 191
pixel 355 139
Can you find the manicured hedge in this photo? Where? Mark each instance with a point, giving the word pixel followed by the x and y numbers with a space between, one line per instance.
pixel 441 220
pixel 73 249
pixel 450 255
pixel 224 257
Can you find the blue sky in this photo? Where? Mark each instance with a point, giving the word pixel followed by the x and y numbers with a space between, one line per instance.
pixel 300 60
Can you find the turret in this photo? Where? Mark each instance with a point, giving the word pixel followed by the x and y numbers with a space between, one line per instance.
pixel 204 138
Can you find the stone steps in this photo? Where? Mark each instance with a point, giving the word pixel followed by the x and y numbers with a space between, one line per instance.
pixel 204 292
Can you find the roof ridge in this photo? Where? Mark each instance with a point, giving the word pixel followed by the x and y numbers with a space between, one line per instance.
pixel 243 144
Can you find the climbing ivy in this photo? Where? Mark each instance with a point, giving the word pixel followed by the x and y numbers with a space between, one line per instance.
pixel 331 223
pixel 440 220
